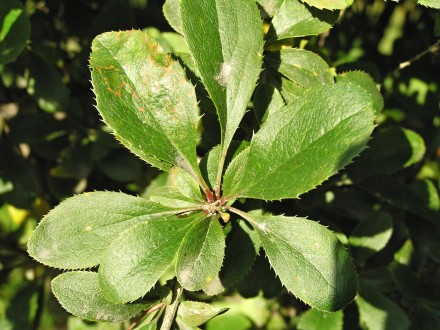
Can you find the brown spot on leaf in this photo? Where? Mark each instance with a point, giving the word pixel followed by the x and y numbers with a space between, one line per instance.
pixel 118 91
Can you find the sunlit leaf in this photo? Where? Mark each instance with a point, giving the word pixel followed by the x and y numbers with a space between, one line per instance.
pixel 309 260
pixel 76 233
pixel 79 293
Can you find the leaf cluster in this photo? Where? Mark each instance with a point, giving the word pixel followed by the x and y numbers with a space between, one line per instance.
pixel 245 117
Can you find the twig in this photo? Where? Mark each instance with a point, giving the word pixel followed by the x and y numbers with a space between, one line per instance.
pixel 170 312
pixel 148 311
pixel 430 50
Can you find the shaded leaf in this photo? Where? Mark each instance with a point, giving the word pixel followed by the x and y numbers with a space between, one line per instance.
pixel 301 66
pixel 295 70
pixel 114 15
pixel 428 193
pixel 194 313
pixel 143 95
pixel 309 259
pixel 210 162
pixel 426 318
pixel 405 280
pixel 226 43
pixel 400 195
pixel 303 144
pixel 46 85
pixel 378 312
pixel 268 7
pixel 18 186
pixel 76 233
pixel 172 197
pixel 267 100
pixel 242 247
pixel 134 262
pixel 391 150
pixel 295 19
pixel 121 166
pixel 200 256
pixel 79 293
pixel 371 235
pixel 314 319
pixel 14 30
pixel 261 280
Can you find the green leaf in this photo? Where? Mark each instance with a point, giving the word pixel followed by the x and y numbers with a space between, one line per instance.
pixel 295 19
pixel 301 66
pixel 45 84
pixel 309 260
pixel 378 312
pixel 194 313
pixel 17 176
pixel 425 318
pixel 76 233
pixel 121 166
pixel 314 319
pixel 116 15
pixel 171 11
pixel 401 195
pixel 371 235
pixel 390 150
pixel 200 256
pixel 186 184
pixel 329 4
pixel 267 100
pixel 303 144
pixel 429 3
pixel 210 162
pixel 143 95
pixel 364 80
pixel 268 7
pixel 173 198
pixel 236 321
pixel 242 247
pixel 184 192
pixel 14 30
pixel 134 262
pixel 79 293
pixel 226 43
pixel 427 191
pixel 405 279
pixel 261 280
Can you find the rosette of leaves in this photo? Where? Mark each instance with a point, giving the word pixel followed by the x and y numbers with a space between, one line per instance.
pixel 313 125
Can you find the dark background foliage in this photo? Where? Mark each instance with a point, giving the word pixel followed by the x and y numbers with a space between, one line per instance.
pixel 385 206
